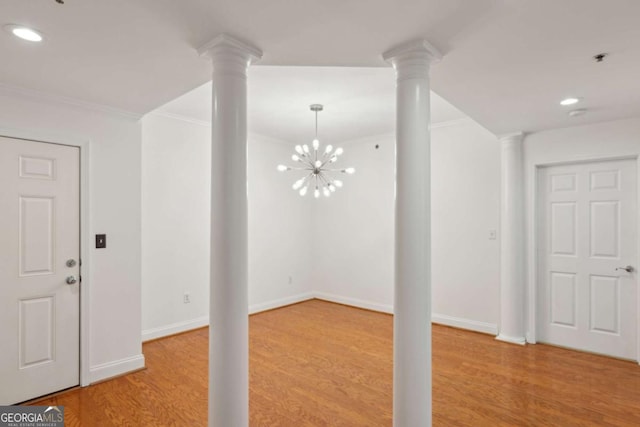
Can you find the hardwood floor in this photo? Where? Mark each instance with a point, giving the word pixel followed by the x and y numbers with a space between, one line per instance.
pixel 323 364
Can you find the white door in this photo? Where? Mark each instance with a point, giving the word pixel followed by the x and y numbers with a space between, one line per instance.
pixel 39 234
pixel 587 235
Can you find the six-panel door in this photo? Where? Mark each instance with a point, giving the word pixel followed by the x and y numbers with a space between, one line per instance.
pixel 587 236
pixel 39 253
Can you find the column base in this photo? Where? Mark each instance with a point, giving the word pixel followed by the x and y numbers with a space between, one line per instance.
pixel 512 340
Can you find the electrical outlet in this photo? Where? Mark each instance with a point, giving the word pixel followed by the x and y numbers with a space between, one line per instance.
pixel 290 280
pixel 186 298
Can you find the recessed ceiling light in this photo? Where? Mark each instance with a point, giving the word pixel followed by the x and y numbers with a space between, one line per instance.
pixel 569 101
pixel 25 33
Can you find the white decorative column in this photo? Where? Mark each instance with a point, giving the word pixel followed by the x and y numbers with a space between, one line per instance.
pixel 512 280
pixel 228 309
pixel 412 304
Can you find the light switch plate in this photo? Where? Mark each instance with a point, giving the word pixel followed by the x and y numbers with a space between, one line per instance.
pixel 101 241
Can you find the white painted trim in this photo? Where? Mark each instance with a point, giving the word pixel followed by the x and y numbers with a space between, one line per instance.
pixel 468 324
pixel 187 325
pixel 174 328
pixel 363 140
pixel 354 302
pixel 511 340
pixel 441 319
pixel 117 367
pixel 48 98
pixel 179 117
pixel 454 122
pixel 85 232
pixel 282 302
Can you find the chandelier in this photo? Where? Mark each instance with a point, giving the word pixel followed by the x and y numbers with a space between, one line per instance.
pixel 315 164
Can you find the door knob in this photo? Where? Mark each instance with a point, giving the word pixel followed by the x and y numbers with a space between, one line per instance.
pixel 71 263
pixel 71 280
pixel 628 269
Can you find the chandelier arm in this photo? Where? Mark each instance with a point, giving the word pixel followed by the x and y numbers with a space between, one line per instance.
pixel 325 162
pixel 305 180
pixel 324 178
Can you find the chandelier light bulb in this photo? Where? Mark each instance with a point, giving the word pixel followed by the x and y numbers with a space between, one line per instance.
pixel 314 165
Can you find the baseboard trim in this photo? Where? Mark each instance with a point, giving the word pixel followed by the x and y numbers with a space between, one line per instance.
pixel 278 303
pixel 471 325
pixel 456 322
pixel 354 302
pixel 116 368
pixel 174 328
pixel 511 340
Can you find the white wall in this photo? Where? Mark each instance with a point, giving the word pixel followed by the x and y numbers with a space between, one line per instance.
pixel 354 228
pixel 176 176
pixel 280 224
pixel 114 279
pixel 465 191
pixel 176 215
pixel 354 231
pixel 608 140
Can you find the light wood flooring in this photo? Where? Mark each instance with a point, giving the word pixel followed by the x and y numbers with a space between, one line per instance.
pixel 323 364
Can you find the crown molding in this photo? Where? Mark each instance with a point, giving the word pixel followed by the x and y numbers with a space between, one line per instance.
pixel 364 139
pixel 9 90
pixel 180 117
pixel 449 123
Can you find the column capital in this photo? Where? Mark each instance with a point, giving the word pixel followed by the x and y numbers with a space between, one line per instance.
pixel 511 137
pixel 418 47
pixel 412 59
pixel 228 49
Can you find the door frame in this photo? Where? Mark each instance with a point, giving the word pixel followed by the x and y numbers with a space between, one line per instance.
pixel 84 145
pixel 532 209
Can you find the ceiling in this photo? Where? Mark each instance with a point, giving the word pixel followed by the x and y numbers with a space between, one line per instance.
pixel 507 63
pixel 358 102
